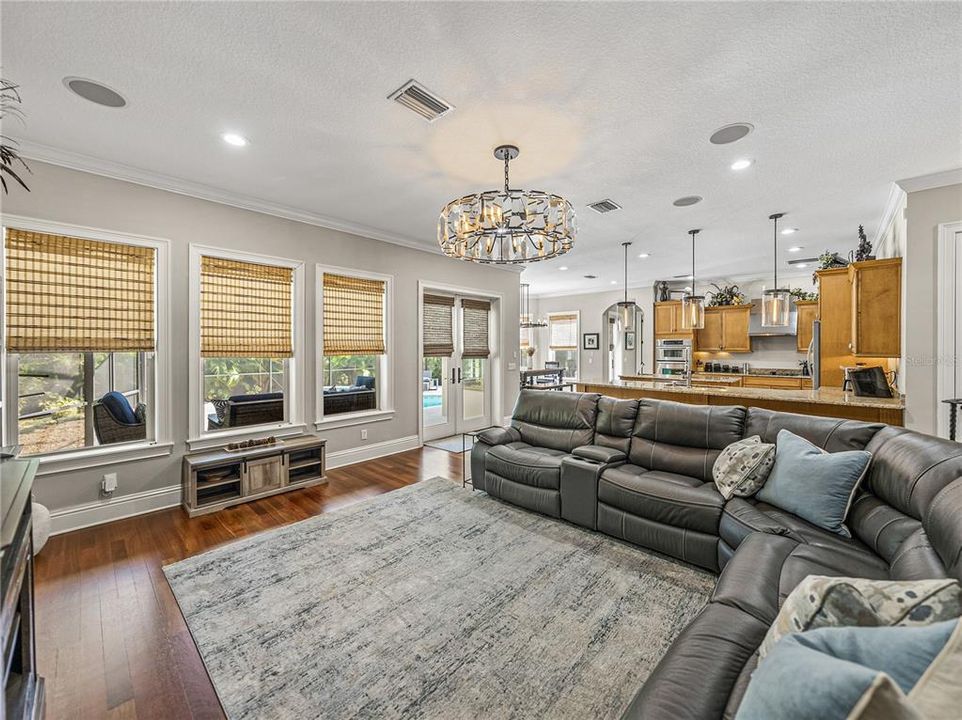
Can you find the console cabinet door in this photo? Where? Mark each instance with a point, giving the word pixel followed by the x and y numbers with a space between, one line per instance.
pixel 263 474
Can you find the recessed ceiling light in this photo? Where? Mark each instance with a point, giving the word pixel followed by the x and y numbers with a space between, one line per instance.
pixel 741 165
pixel 95 92
pixel 730 133
pixel 643 255
pixel 234 139
pixel 687 200
pixel 689 277
pixel 614 282
pixel 563 267
pixel 801 265
pixel 789 231
pixel 797 248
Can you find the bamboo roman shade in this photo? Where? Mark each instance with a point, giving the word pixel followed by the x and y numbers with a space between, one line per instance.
pixel 68 294
pixel 475 332
pixel 563 332
pixel 438 331
pixel 353 315
pixel 245 309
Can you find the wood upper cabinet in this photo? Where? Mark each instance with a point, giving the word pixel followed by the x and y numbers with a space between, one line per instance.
pixel 710 337
pixel 668 320
pixel 726 329
pixel 876 308
pixel 807 313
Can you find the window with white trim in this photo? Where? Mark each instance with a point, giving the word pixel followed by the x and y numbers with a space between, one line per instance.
pixel 563 341
pixel 354 330
pixel 245 342
pixel 81 339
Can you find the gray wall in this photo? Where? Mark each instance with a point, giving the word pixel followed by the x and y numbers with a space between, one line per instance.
pixel 925 211
pixel 69 196
pixel 592 306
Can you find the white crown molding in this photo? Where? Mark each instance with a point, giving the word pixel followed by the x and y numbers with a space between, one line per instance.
pixel 127 173
pixel 892 204
pixel 932 180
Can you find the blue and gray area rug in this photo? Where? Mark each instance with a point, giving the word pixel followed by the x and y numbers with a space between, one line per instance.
pixel 432 601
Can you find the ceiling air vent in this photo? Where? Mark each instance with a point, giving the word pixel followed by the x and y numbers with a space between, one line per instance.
pixel 418 98
pixel 591 277
pixel 604 206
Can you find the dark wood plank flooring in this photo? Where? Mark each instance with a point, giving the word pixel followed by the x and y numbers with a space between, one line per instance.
pixel 111 641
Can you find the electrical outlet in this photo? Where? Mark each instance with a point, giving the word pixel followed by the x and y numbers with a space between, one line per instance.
pixel 109 483
pixel 364 434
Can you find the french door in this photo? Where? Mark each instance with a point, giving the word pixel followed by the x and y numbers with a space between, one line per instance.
pixel 456 388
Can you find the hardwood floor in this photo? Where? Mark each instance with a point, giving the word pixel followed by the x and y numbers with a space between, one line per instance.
pixel 111 641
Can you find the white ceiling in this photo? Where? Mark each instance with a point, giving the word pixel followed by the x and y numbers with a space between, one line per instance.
pixel 605 100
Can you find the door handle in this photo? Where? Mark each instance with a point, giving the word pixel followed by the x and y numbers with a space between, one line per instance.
pixel 452 376
pixel 459 376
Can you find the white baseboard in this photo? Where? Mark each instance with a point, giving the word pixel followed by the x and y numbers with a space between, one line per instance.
pixel 118 508
pixel 340 458
pixel 109 509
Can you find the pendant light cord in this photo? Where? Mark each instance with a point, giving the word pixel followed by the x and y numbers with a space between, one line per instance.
pixel 507 159
pixel 693 233
pixel 774 217
pixel 626 271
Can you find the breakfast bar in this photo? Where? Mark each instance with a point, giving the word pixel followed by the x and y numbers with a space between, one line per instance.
pixel 830 401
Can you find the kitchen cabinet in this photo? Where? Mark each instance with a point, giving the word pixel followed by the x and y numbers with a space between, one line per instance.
pixel 776 382
pixel 876 308
pixel 726 329
pixel 807 311
pixel 859 308
pixel 668 320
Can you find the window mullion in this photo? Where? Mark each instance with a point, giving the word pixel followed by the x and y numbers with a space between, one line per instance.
pixel 88 398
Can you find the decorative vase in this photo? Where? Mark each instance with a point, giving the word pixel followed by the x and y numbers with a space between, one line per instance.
pixel 41 526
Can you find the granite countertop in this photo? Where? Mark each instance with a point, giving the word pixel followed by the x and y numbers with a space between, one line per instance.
pixel 822 396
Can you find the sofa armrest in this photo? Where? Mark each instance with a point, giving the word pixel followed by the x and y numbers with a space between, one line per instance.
pixel 499 436
pixel 598 453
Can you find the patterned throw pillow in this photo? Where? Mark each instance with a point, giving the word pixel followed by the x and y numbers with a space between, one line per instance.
pixel 820 601
pixel 743 467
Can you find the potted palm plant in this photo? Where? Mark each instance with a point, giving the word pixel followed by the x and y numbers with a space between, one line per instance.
pixel 11 164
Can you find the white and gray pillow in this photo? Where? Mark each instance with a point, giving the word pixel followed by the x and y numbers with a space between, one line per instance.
pixel 743 467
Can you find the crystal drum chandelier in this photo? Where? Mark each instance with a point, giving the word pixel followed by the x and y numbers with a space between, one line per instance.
pixel 507 226
pixel 776 302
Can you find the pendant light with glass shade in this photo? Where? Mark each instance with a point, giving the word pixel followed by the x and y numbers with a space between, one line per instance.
pixel 692 305
pixel 627 309
pixel 776 303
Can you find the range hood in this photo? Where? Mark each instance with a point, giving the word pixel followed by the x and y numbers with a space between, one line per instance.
pixel 755 328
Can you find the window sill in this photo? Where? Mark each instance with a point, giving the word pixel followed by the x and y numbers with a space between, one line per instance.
pixel 355 418
pixel 220 439
pixel 100 456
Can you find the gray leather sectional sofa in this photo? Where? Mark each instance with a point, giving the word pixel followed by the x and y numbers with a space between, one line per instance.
pixel 641 471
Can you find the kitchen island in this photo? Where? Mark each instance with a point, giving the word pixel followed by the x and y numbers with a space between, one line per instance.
pixel 829 401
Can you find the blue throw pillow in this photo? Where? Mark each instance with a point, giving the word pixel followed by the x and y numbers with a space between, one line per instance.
pixel 118 406
pixel 825 673
pixel 817 486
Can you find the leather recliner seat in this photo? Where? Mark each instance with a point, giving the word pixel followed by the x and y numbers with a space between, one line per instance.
pixel 645 476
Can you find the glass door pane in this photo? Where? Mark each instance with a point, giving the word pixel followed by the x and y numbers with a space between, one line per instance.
pixel 473 388
pixel 435 392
